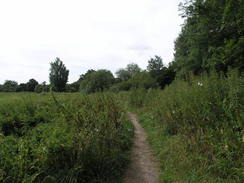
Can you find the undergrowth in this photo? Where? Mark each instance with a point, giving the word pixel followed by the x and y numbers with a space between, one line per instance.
pixel 196 127
pixel 67 138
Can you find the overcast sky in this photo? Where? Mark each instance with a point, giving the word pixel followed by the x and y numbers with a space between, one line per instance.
pixel 85 34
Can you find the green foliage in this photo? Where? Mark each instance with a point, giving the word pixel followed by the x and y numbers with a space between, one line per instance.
pixel 9 86
pixel 139 80
pixel 97 81
pixel 163 75
pixel 21 87
pixel 127 73
pixel 123 74
pixel 58 75
pixel 42 88
pixel 155 64
pixel 63 138
pixel 211 38
pixel 31 84
pixel 206 113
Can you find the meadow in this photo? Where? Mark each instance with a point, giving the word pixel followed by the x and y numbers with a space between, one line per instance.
pixel 62 137
pixel 195 127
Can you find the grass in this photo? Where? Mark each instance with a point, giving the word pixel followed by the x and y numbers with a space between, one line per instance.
pixel 62 138
pixel 195 128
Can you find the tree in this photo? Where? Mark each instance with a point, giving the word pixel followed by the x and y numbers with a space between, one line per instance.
pixel 21 87
pixel 58 75
pixel 123 74
pixel 133 69
pixel 97 81
pixel 31 84
pixel 10 86
pixel 128 72
pixel 155 64
pixel 163 75
pixel 211 38
pixel 140 80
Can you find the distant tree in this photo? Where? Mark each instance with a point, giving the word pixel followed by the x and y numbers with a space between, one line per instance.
pixel 97 81
pixel 38 89
pixel 84 76
pixel 155 64
pixel 163 75
pixel 140 80
pixel 10 86
pixel 31 84
pixel 43 87
pixel 21 87
pixel 123 74
pixel 58 75
pixel 133 69
pixel 143 80
pixel 128 72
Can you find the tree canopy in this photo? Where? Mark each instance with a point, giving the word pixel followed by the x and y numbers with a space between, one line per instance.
pixel 212 37
pixel 97 81
pixel 58 75
pixel 128 72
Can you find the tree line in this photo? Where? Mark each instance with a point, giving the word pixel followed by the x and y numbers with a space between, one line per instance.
pixel 212 38
pixel 157 75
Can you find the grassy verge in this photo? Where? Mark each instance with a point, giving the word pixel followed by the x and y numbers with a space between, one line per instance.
pixel 196 127
pixel 177 164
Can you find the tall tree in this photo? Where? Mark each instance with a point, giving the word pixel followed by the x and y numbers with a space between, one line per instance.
pixel 163 75
pixel 211 38
pixel 58 75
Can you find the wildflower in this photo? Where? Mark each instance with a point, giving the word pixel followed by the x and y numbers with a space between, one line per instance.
pixel 226 147
pixel 199 84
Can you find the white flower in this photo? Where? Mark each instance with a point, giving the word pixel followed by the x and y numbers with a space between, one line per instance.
pixel 199 84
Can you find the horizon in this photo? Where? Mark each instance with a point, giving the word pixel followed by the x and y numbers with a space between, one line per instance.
pixel 89 35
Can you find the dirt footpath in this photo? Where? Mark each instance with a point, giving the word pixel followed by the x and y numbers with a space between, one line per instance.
pixel 143 167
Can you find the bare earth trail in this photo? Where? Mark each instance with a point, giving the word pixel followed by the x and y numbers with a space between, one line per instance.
pixel 143 167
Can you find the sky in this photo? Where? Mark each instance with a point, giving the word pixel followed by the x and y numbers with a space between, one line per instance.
pixel 84 34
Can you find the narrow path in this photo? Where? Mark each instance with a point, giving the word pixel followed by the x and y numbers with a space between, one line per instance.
pixel 143 167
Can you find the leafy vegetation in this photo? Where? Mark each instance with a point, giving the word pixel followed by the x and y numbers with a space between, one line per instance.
pixel 211 38
pixel 96 81
pixel 58 75
pixel 196 127
pixel 62 138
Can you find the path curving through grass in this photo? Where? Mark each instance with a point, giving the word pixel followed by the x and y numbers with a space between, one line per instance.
pixel 143 167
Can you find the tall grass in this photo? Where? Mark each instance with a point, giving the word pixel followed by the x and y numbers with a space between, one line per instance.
pixel 197 127
pixel 62 138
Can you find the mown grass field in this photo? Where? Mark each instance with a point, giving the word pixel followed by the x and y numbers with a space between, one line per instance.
pixel 62 138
